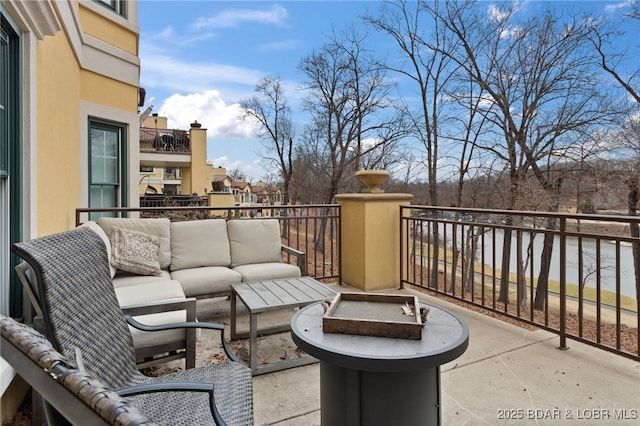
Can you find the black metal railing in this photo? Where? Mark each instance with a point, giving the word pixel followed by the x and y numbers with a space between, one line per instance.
pixel 574 275
pixel 164 140
pixel 312 229
pixel 165 200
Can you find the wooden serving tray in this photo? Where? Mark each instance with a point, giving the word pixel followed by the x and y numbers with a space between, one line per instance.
pixel 379 315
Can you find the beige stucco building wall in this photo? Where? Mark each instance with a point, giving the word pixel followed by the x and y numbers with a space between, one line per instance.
pixel 87 67
pixel 77 60
pixel 197 178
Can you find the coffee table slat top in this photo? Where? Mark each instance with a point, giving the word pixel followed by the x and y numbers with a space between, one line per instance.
pixel 263 296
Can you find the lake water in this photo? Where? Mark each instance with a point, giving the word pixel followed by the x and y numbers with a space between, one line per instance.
pixel 607 260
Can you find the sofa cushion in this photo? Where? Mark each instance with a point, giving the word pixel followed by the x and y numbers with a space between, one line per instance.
pixel 150 292
pixel 105 238
pixel 135 251
pixel 207 280
pixel 126 279
pixel 199 243
pixel 254 241
pixel 144 339
pixel 159 227
pixel 267 271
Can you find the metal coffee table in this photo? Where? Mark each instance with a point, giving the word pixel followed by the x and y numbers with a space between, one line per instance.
pixel 272 295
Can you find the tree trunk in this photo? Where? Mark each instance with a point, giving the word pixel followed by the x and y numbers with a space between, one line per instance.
pixel 633 197
pixel 455 255
pixel 435 258
pixel 545 265
pixel 503 295
pixel 471 248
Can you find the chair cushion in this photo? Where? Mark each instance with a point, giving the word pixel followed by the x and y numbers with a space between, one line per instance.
pixel 254 241
pixel 126 279
pixel 98 230
pixel 159 227
pixel 145 339
pixel 267 271
pixel 135 251
pixel 199 243
pixel 207 280
pixel 150 292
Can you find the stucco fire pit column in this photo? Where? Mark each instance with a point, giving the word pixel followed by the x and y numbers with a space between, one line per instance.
pixel 370 229
pixel 380 381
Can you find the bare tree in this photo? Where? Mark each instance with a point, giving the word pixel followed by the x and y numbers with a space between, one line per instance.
pixel 271 110
pixel 352 116
pixel 421 41
pixel 236 174
pixel 538 76
pixel 612 62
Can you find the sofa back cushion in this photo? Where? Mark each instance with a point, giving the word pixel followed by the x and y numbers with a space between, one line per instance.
pixel 254 241
pixel 159 228
pixel 199 243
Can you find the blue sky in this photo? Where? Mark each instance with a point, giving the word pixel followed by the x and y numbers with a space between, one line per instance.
pixel 200 58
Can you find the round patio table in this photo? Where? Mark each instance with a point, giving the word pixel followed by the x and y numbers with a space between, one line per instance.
pixel 367 380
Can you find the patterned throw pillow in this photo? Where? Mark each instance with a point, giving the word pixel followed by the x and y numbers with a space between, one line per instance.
pixel 135 252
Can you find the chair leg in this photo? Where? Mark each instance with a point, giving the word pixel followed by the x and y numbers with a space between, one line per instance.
pixel 190 353
pixel 37 409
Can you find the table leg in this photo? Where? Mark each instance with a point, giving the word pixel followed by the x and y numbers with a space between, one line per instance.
pixel 234 314
pixel 253 342
pixel 353 397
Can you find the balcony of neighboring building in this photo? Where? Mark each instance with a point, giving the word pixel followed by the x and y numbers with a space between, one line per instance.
pixel 164 147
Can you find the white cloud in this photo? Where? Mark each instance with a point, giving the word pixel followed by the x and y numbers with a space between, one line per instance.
pixel 236 17
pixel 620 5
pixel 221 120
pixel 496 14
pixel 159 70
pixel 226 162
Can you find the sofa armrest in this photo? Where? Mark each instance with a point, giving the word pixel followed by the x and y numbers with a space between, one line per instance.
pixel 301 258
pixel 190 325
pixel 188 305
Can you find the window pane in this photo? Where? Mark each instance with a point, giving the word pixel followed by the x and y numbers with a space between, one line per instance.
pixel 103 196
pixel 109 3
pixel 107 184
pixel 117 6
pixel 104 155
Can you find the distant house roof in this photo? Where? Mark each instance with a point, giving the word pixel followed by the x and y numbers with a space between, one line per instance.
pixel 262 189
pixel 240 184
pixel 220 178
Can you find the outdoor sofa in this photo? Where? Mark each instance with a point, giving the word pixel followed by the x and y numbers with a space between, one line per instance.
pixel 162 267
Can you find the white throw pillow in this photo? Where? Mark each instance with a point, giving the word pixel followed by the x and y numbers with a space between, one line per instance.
pixel 135 252
pixel 158 227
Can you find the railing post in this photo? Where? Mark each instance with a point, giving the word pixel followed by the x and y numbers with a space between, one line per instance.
pixel 563 284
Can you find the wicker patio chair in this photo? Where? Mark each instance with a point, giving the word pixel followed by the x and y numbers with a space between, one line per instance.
pixel 83 321
pixel 70 395
pixel 145 356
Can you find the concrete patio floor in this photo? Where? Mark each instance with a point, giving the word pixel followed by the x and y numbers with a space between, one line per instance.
pixel 508 376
